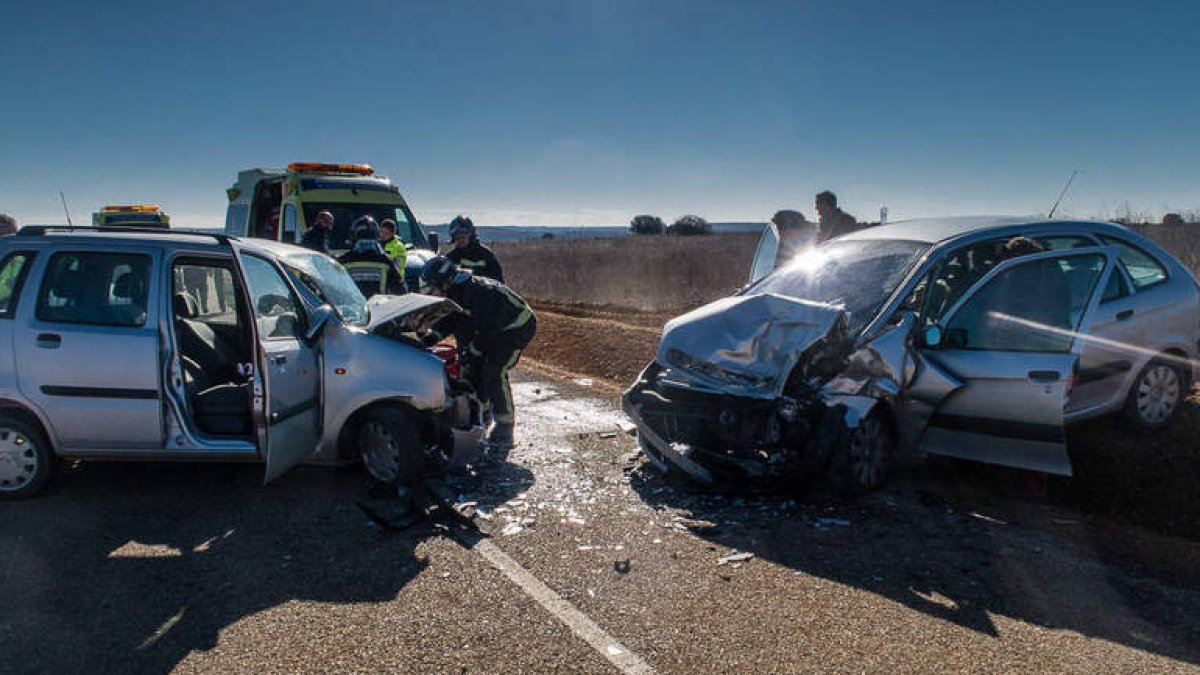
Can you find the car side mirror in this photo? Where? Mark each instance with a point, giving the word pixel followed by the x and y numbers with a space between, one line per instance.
pixel 433 242
pixel 932 337
pixel 320 316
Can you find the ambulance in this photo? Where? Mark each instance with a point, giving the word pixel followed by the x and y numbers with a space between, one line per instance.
pixel 280 204
pixel 131 215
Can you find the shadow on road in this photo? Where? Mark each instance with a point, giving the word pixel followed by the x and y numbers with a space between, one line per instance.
pixel 129 567
pixel 951 555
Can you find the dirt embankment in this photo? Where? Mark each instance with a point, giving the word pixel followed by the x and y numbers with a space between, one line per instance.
pixel 600 344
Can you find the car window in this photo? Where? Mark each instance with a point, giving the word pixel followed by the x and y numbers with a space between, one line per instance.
pixel 210 286
pixel 1143 269
pixel 12 278
pixel 95 288
pixel 1034 306
pixel 290 226
pixel 1116 287
pixel 952 277
pixel 1064 242
pixel 275 306
pixel 766 254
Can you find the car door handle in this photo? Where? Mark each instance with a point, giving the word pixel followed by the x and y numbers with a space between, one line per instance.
pixel 1124 314
pixel 1043 375
pixel 49 341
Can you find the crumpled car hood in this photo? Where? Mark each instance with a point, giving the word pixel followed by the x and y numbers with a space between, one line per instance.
pixel 409 313
pixel 748 344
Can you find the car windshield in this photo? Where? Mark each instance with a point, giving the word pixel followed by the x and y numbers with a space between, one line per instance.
pixel 856 275
pixel 344 215
pixel 331 283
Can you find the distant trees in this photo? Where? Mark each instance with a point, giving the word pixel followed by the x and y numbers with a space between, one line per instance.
pixel 647 225
pixel 1172 219
pixel 690 225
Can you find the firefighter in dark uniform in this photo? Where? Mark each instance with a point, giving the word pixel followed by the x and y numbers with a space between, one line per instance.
pixel 373 271
pixel 496 326
pixel 471 255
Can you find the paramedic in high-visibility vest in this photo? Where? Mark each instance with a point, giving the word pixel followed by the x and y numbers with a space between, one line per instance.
pixel 471 255
pixel 373 271
pixel 391 244
pixel 495 327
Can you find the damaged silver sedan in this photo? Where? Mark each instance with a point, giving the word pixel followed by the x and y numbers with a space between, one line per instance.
pixel 914 338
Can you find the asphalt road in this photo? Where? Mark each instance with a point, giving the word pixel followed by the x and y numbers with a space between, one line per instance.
pixel 597 564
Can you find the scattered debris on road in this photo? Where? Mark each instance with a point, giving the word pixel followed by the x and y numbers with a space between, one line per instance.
pixel 734 557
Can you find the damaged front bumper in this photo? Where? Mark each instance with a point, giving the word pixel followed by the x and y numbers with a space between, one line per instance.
pixel 715 438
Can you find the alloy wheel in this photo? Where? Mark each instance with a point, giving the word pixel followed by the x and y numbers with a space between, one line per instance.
pixel 18 460
pixel 380 451
pixel 1158 393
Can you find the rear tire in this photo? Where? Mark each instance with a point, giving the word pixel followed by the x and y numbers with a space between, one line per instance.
pixel 26 461
pixel 390 447
pixel 1156 395
pixel 867 458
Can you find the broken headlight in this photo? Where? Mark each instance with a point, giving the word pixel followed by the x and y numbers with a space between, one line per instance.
pixel 696 366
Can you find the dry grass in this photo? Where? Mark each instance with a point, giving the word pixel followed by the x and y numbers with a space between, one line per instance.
pixel 664 274
pixel 1181 241
pixel 650 273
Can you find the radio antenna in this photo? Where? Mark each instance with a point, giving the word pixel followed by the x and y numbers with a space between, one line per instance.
pixel 1062 194
pixel 65 209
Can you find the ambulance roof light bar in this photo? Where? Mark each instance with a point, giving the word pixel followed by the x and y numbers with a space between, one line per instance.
pixel 320 167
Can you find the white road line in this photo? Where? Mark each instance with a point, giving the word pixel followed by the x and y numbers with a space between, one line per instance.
pixel 579 623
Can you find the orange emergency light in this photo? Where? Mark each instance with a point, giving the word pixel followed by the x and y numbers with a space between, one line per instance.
pixel 134 208
pixel 319 167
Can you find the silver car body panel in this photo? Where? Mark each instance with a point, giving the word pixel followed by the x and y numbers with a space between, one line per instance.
pixel 999 407
pixel 377 370
pixel 748 343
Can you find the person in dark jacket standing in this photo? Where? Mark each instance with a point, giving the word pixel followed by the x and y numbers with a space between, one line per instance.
pixel 496 327
pixel 834 221
pixel 373 270
pixel 317 236
pixel 471 255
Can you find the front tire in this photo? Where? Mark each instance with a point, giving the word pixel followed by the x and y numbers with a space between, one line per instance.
pixel 1156 395
pixel 26 461
pixel 391 447
pixel 867 458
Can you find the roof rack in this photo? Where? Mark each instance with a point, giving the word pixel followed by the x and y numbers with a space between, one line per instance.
pixel 43 230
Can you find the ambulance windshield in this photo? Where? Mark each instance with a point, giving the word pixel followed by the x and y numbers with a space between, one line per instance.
pixel 345 214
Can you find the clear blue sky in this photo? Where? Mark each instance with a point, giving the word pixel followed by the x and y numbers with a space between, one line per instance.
pixel 565 113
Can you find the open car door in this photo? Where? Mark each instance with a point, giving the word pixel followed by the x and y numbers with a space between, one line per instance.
pixel 289 377
pixel 1003 362
pixel 766 254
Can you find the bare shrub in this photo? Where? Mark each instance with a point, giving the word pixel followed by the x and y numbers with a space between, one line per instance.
pixel 1172 219
pixel 647 225
pixel 689 225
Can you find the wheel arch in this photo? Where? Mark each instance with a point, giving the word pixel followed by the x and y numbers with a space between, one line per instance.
pixel 348 432
pixel 27 415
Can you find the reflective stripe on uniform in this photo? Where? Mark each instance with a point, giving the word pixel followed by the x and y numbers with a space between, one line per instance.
pixel 508 415
pixel 370 272
pixel 472 263
pixel 522 319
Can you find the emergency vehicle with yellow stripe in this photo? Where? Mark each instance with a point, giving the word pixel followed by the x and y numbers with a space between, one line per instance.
pixel 281 204
pixel 131 215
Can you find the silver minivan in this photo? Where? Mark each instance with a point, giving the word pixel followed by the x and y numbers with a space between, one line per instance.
pixel 174 345
pixel 921 337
